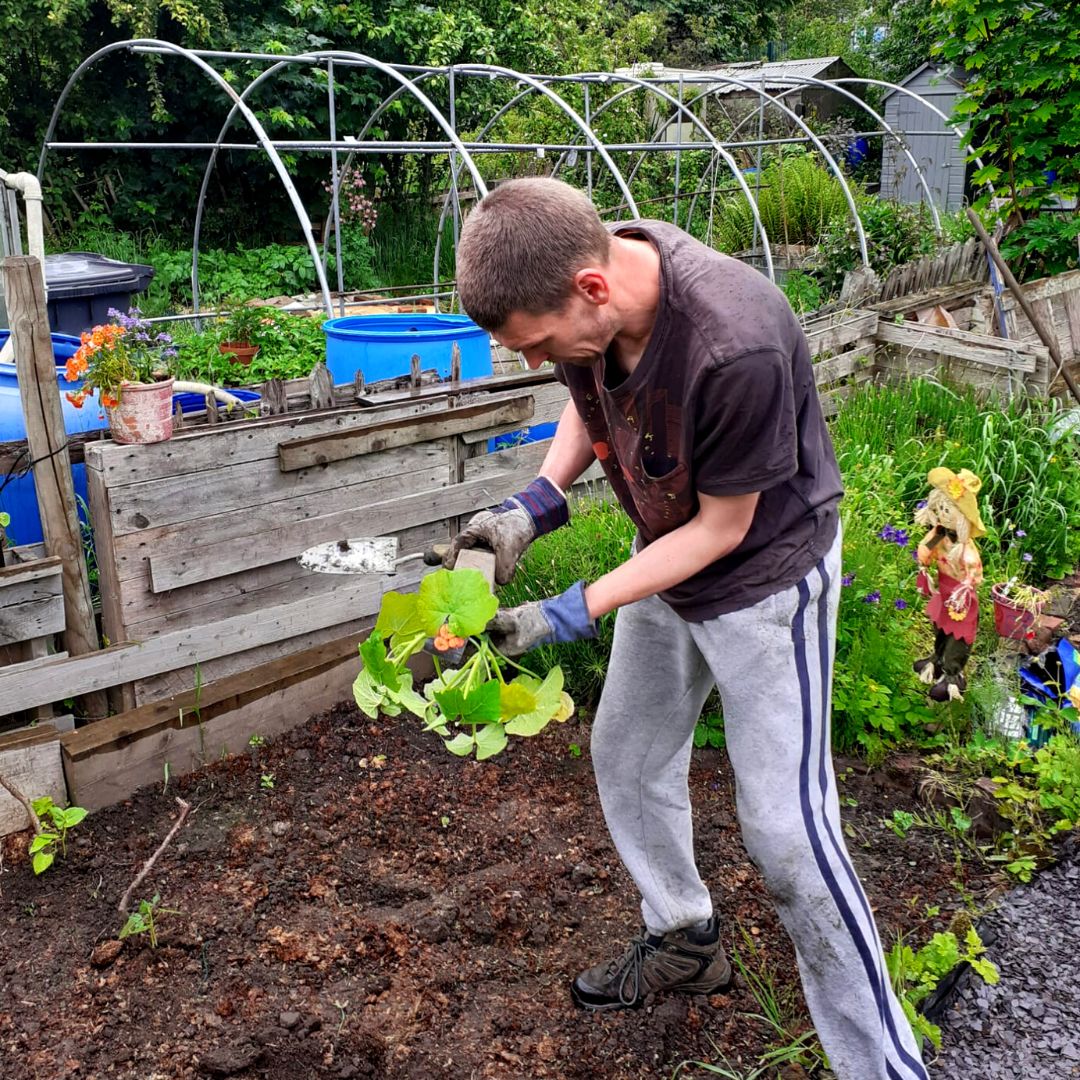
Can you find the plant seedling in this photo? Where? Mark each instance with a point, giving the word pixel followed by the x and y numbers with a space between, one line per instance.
pixel 266 781
pixel 43 847
pixel 453 607
pixel 901 823
pixel 142 919
pixel 256 741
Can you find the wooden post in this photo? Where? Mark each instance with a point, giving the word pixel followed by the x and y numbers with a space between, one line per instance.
pixel 24 287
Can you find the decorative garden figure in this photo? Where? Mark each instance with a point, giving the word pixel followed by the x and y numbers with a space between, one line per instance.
pixel 952 515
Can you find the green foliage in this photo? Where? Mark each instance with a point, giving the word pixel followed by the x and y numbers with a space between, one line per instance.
pixel 56 823
pixel 915 975
pixel 1020 106
pixel 453 607
pixel 242 323
pixel 803 291
pixel 709 730
pixel 143 920
pixel 799 198
pixel 896 233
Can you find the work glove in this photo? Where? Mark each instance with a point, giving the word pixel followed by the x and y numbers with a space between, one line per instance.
pixel 509 528
pixel 559 619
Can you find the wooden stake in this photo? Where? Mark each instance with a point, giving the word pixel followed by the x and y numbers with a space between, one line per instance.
pixel 15 793
pixel 185 809
pixel 46 439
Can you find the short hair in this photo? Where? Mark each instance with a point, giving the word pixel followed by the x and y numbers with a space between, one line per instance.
pixel 521 246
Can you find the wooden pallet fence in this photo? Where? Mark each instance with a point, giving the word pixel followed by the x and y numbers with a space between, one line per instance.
pixel 1056 301
pixel 842 347
pixel 989 364
pixel 206 528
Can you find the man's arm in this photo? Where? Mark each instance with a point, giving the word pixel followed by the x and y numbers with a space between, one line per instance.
pixel 721 523
pixel 571 451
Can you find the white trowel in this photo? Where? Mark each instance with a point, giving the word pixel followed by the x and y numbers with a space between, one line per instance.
pixel 379 555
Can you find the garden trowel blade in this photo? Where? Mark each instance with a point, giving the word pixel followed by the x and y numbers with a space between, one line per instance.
pixel 363 555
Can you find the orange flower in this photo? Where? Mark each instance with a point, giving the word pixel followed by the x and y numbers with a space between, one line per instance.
pixel 109 401
pixel 76 398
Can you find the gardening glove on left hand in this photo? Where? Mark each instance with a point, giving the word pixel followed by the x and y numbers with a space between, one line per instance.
pixel 509 528
pixel 559 619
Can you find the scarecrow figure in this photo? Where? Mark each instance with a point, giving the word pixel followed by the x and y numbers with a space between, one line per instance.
pixel 952 516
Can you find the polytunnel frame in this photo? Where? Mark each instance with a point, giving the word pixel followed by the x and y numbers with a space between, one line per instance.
pixel 454 146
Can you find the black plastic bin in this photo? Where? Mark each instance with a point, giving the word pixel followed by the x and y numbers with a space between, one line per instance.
pixel 83 286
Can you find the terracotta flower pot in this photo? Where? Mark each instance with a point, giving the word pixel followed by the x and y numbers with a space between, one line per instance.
pixel 239 352
pixel 144 413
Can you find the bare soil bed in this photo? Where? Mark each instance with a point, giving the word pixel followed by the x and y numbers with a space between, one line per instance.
pixel 386 910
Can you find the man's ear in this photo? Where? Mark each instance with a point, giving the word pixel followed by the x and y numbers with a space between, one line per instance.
pixel 592 285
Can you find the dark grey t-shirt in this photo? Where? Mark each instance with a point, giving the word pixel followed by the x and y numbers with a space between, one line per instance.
pixel 722 402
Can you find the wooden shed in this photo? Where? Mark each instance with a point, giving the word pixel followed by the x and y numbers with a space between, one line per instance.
pixel 932 141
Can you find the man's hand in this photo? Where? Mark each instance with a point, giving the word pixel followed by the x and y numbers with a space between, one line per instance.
pixel 512 526
pixel 514 631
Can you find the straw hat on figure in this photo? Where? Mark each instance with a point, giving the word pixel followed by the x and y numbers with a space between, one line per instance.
pixel 952 516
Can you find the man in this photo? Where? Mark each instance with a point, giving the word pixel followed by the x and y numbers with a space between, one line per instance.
pixel 690 380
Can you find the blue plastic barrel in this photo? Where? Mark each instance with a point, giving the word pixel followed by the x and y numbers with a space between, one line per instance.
pixel 18 498
pixel 382 346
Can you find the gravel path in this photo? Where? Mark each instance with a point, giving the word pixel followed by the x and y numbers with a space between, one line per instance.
pixel 1029 1024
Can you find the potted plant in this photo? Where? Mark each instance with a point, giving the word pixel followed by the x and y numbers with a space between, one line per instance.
pixel 127 364
pixel 238 335
pixel 1017 608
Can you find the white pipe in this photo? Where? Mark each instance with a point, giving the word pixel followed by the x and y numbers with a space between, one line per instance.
pixel 205 388
pixel 27 183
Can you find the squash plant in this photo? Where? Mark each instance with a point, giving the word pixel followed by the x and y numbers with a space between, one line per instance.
pixel 474 706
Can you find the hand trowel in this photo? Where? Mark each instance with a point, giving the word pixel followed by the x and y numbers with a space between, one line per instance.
pixel 379 555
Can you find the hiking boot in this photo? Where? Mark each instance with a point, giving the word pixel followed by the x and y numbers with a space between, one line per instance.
pixel 689 960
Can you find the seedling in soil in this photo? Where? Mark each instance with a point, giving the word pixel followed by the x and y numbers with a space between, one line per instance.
pixel 256 741
pixel 266 781
pixel 574 750
pixel 58 822
pixel 142 919
pixel 901 823
pixel 473 707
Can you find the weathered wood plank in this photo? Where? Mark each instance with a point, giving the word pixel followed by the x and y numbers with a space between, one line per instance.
pixel 106 762
pixel 27 665
pixel 201 563
pixel 318 450
pixel 174 500
pixel 55 680
pixel 844 329
pixel 960 345
pixel 840 367
pixel 32 619
pixel 28 571
pixel 36 771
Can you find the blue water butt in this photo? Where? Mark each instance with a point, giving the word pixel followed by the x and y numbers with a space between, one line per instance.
pixel 17 497
pixel 382 346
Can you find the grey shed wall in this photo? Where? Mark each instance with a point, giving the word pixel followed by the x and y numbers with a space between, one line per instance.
pixel 940 156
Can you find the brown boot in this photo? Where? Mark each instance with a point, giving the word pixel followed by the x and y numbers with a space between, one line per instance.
pixel 689 960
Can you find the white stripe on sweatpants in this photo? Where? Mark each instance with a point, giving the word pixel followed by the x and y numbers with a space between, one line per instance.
pixel 771 663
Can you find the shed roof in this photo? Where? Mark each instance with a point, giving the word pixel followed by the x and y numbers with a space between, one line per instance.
pixel 775 75
pixel 954 75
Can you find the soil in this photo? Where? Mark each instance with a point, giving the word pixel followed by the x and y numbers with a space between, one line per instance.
pixel 387 910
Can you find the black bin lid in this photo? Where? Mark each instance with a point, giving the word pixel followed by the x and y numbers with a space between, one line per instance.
pixel 82 273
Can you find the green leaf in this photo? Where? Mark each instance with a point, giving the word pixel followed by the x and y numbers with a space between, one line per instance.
pixel 373 653
pixel 461 744
pixel 490 740
pixel 406 696
pixel 42 841
pixel 41 806
pixel 5 520
pixel 516 698
pixel 73 815
pixel 548 700
pixel 480 706
pixel 460 599
pixel 397 616
pixel 367 695
pixel 42 861
pixel 565 709
pixel 987 971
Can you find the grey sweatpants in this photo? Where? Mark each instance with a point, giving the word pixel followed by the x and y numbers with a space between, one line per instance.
pixel 773 665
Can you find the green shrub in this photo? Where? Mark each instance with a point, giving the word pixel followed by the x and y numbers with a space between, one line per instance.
pixel 798 200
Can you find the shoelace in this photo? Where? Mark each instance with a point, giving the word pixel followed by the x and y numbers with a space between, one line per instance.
pixel 631 963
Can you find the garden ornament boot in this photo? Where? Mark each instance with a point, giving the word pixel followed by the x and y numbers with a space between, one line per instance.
pixel 690 961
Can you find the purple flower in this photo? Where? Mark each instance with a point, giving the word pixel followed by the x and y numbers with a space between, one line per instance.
pixel 1020 532
pixel 920 504
pixel 893 535
pixel 872 597
pixel 1027 556
pixel 900 604
pixel 847 579
pixel 914 554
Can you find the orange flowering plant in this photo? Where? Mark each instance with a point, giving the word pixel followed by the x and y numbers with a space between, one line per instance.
pixel 124 351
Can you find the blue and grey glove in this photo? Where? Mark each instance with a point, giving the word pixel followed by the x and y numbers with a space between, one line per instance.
pixel 509 528
pixel 559 619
